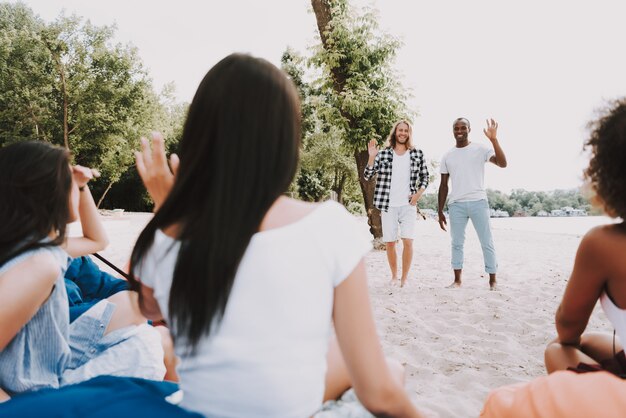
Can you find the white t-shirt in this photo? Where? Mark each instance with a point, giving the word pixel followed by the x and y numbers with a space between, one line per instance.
pixel 466 167
pixel 400 180
pixel 268 356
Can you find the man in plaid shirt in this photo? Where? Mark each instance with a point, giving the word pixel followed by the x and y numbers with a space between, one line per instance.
pixel 402 179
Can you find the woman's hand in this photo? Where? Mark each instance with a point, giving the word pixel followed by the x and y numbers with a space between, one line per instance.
pixel 153 168
pixel 82 175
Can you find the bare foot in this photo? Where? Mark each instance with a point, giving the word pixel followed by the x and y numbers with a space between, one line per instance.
pixel 454 285
pixel 493 285
pixel 394 281
pixel 403 282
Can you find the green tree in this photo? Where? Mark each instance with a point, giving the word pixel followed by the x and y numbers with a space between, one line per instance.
pixel 359 84
pixel 67 83
pixel 26 76
pixel 325 161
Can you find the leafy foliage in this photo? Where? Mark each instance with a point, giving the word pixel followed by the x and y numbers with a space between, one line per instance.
pixel 350 94
pixel 67 83
pixel 526 203
pixel 358 79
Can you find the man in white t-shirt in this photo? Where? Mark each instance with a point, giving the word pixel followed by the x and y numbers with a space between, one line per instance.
pixel 402 179
pixel 465 166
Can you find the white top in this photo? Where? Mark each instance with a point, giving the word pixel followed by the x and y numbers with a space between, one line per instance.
pixel 616 315
pixel 400 180
pixel 268 356
pixel 466 167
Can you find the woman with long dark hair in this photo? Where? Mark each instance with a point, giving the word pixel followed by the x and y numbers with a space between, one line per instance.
pixel 248 279
pixel 40 194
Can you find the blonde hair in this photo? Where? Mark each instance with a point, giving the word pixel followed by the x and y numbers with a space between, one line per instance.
pixel 391 139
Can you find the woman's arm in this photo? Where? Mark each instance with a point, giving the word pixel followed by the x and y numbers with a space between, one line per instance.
pixel 583 289
pixel 23 289
pixel 94 237
pixel 149 306
pixel 360 346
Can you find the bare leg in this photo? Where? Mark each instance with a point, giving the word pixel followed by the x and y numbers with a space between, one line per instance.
pixel 407 257
pixel 599 346
pixel 393 261
pixel 457 279
pixel 560 357
pixel 337 377
pixel 594 347
pixel 493 285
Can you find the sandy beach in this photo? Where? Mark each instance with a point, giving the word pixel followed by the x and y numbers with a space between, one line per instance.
pixel 458 344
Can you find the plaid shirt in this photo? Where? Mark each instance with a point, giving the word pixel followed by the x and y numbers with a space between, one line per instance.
pixel 382 166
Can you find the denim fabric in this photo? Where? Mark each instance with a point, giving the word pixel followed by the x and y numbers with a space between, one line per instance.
pixel 38 354
pixel 478 212
pixel 48 352
pixel 87 285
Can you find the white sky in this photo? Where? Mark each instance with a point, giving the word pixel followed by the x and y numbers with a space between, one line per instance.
pixel 540 68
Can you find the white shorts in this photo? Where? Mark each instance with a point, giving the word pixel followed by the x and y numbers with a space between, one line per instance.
pixel 405 217
pixel 133 351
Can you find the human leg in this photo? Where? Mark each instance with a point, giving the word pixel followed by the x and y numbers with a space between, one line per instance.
pixel 458 222
pixel 407 258
pixel 392 259
pixel 479 214
pixel 594 348
pixel 389 222
pixel 599 346
pixel 457 279
pixel 560 357
pixel 407 220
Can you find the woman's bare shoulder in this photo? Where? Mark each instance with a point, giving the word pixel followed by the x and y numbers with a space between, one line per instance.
pixel 286 211
pixel 40 268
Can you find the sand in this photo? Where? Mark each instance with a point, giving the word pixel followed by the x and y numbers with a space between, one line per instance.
pixel 458 344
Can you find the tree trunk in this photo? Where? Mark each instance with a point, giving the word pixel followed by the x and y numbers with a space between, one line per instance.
pixel 367 188
pixel 61 69
pixel 339 185
pixel 66 140
pixel 323 16
pixel 104 195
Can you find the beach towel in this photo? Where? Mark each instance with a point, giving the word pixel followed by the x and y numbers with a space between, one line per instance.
pixel 101 397
pixel 560 394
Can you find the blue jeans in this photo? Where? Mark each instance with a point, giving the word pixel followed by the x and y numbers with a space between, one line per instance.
pixel 478 212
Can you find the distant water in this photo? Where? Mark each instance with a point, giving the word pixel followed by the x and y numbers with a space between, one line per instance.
pixel 575 225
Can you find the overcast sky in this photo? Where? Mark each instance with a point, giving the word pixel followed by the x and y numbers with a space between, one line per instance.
pixel 540 68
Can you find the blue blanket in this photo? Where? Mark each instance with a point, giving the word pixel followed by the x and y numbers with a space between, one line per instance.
pixel 87 285
pixel 101 397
